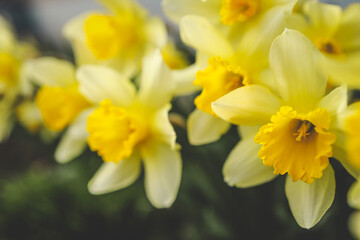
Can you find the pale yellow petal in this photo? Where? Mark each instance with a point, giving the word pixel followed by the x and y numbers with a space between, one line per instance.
pixel 203 128
pixel 344 70
pixel 50 71
pixel 249 105
pixel 175 9
pixel 325 18
pixel 309 202
pixel 298 68
pixel 114 176
pixel 98 83
pixel 354 195
pixel 354 223
pixel 243 168
pixel 155 31
pixel 73 142
pixel 198 33
pixel 162 129
pixel 157 86
pixel 348 34
pixel 162 173
pixel 336 101
pixel 255 44
pixel 184 80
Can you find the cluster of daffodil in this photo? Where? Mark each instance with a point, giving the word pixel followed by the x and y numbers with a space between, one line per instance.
pixel 279 69
pixel 16 93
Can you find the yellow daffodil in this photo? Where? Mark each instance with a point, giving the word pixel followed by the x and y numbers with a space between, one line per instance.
pixel 223 12
pixel 128 127
pixel 13 53
pixel 349 125
pixel 336 34
pixel 229 66
pixel 118 38
pixel 292 131
pixel 354 202
pixel 61 104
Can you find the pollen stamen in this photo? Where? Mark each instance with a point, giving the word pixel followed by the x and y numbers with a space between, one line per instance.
pixel 304 130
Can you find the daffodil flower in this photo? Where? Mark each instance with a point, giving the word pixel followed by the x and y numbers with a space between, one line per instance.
pixel 118 38
pixel 129 127
pixel 293 131
pixel 336 34
pixel 61 104
pixel 354 202
pixel 13 53
pixel 230 66
pixel 224 12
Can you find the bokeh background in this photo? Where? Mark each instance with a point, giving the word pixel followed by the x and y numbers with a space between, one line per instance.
pixel 40 199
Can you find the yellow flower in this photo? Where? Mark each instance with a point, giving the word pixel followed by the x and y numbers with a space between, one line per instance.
pixel 335 33
pixel 224 12
pixel 292 131
pixel 13 53
pixel 129 126
pixel 231 63
pixel 60 103
pixel 118 38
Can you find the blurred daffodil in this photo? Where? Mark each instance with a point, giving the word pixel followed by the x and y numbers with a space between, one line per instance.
pixel 13 53
pixel 293 131
pixel 128 127
pixel 225 65
pixel 354 202
pixel 336 34
pixel 223 12
pixel 118 38
pixel 61 104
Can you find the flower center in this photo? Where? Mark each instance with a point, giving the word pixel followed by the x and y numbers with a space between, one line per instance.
pixel 109 36
pixel 329 47
pixel 115 131
pixel 9 69
pixel 304 129
pixel 297 144
pixel 218 79
pixel 233 11
pixel 60 105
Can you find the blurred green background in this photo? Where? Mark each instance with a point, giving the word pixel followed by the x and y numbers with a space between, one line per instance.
pixel 40 199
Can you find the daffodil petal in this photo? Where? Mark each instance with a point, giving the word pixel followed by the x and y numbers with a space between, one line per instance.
pixel 243 168
pixel 184 79
pixel 73 142
pixel 324 17
pixel 348 34
pixel 249 105
pixel 163 130
pixel 157 85
pixel 114 176
pixel 255 44
pixel 98 83
pixel 155 31
pixel 175 9
pixel 298 68
pixel 162 173
pixel 354 223
pixel 336 101
pixel 309 202
pixel 354 195
pixel 50 71
pixel 248 131
pixel 345 70
pixel 198 33
pixel 204 128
